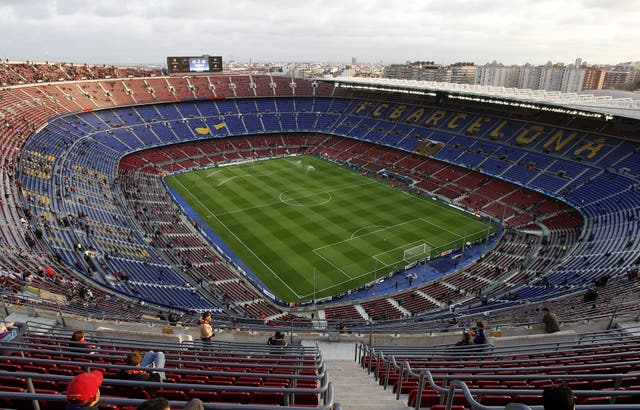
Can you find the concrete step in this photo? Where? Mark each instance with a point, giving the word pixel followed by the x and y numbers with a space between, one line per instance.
pixel 37 325
pixel 356 390
pixel 629 328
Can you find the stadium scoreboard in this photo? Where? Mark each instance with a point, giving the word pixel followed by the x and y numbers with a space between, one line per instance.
pixel 202 64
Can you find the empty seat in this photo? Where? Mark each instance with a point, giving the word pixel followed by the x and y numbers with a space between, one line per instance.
pixel 9 403
pixel 261 397
pixel 601 384
pixel 541 384
pixel 535 399
pixel 427 399
pixel 495 399
pixel 171 394
pixel 12 381
pixel 206 396
pixel 235 397
pixel 593 400
pixel 306 399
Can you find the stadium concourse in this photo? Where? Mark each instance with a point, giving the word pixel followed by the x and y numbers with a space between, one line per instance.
pixel 92 239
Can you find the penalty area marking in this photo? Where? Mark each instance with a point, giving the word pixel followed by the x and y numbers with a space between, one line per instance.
pixel 355 233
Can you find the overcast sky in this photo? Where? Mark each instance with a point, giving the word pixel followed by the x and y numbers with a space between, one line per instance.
pixel 390 31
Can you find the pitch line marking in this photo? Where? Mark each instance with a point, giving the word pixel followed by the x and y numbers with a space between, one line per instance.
pixel 240 241
pixel 292 201
pixel 354 234
pixel 246 175
pixel 332 264
pixel 371 233
pixel 335 285
pixel 235 211
pixel 212 174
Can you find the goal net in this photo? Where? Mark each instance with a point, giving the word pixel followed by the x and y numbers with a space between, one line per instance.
pixel 416 253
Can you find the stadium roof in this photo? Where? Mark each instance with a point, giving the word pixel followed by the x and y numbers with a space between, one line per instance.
pixel 570 103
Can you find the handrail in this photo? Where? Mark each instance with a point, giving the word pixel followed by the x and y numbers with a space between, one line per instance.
pixel 101 366
pixel 407 326
pixel 444 390
pixel 505 363
pixel 468 394
pixel 523 369
pixel 330 403
pixel 211 349
pixel 289 391
pixel 278 356
pixel 470 399
pixel 540 347
pixel 415 372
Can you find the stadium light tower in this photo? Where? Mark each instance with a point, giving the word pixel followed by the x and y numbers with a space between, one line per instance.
pixel 464 241
pixel 375 274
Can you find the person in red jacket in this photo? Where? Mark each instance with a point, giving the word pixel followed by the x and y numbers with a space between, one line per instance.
pixel 83 393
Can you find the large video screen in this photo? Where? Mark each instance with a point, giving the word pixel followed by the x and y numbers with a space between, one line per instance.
pixel 198 64
pixel 193 64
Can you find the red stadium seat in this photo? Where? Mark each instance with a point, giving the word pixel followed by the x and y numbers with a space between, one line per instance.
pixel 495 399
pixel 9 403
pixel 593 400
pixel 306 399
pixel 534 399
pixel 12 381
pixel 235 397
pixel 171 394
pixel 428 398
pixel 207 396
pixel 268 398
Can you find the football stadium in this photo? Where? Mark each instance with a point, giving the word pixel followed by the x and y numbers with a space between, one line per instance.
pixel 378 225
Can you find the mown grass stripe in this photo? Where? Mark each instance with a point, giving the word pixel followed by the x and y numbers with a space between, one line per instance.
pixel 297 215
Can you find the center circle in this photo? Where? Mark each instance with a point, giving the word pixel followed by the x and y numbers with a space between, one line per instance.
pixel 305 197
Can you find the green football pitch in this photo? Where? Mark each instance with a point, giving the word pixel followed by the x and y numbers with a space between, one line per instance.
pixel 310 228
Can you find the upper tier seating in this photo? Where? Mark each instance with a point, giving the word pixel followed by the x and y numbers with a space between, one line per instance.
pixel 58 170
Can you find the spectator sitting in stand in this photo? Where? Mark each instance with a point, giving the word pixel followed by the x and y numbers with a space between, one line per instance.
pixel 278 339
pixel 206 329
pixel 142 372
pixel 465 340
pixel 590 296
pixel 550 320
pixel 83 392
pixel 78 341
pixel 10 331
pixel 479 338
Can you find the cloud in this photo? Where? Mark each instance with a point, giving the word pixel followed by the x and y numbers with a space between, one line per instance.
pixel 513 31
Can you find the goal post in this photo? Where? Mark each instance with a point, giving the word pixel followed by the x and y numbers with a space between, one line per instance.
pixel 416 253
pixel 406 254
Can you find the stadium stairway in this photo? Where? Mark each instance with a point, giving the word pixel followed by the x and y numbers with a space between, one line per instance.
pixel 395 303
pixel 355 389
pixel 37 325
pixel 629 328
pixel 362 312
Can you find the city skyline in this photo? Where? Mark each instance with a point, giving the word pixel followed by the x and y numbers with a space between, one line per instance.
pixel 133 32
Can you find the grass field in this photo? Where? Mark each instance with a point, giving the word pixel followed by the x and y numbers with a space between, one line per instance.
pixel 288 218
